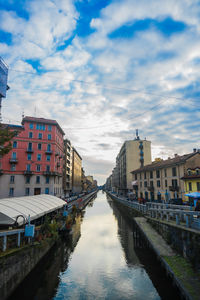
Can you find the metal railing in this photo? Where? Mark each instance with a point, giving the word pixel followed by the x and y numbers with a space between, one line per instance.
pixel 180 214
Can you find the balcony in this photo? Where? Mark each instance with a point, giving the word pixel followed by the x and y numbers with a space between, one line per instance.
pixel 174 188
pixel 29 150
pixel 49 152
pixel 150 188
pixel 27 172
pixel 13 160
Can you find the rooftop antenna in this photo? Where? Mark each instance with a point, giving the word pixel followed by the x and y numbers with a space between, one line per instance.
pixel 22 114
pixel 35 112
pixel 137 136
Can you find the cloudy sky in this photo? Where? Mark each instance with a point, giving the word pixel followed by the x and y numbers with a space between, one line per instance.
pixel 103 68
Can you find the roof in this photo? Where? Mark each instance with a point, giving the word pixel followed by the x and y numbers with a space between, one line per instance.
pixel 35 206
pixel 43 121
pixel 178 159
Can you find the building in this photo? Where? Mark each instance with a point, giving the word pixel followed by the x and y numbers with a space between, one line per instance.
pixel 162 179
pixel 191 177
pixel 67 170
pixel 3 81
pixel 35 163
pixel 133 154
pixel 76 172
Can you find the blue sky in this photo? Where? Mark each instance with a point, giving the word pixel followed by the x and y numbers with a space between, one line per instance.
pixel 103 69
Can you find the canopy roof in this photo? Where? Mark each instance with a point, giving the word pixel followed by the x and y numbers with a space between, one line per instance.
pixel 35 206
pixel 193 195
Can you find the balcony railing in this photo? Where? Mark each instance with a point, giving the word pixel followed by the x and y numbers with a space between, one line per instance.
pixel 13 160
pixel 174 188
pixel 49 152
pixel 28 172
pixel 150 188
pixel 29 150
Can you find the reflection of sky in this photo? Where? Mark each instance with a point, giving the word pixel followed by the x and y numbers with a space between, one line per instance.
pixel 97 268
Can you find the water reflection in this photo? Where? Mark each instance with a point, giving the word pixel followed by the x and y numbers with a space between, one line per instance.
pixel 102 260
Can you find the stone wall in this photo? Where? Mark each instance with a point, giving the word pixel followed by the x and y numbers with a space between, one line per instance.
pixel 185 241
pixel 15 266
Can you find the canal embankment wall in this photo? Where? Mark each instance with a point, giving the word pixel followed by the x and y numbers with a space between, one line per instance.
pixel 173 245
pixel 15 266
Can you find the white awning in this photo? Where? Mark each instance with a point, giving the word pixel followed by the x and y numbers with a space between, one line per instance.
pixel 35 206
pixel 134 182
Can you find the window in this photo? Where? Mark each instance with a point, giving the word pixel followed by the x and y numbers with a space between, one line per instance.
pixel 31 126
pixel 30 135
pixel 174 182
pixel 28 167
pixel 165 183
pixel 158 183
pixel 145 184
pixel 37 179
pixel 40 135
pixel 165 172
pixel 38 168
pixel 12 179
pixel 27 191
pixel 190 186
pixel 151 183
pixel 11 192
pixel 39 157
pixel 40 126
pixel 151 174
pixel 48 157
pixel 29 156
pixel 29 146
pixel 49 127
pixel 198 186
pixel 13 167
pixel 28 178
pixel 197 171
pixel 14 155
pixel 48 168
pixel 135 176
pixel 49 137
pixel 49 147
pixel 14 144
pixel 47 179
pixel 39 146
pixel 46 190
pixel 174 171
pixel 157 173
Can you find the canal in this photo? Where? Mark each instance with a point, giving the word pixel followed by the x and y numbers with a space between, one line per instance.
pixel 102 260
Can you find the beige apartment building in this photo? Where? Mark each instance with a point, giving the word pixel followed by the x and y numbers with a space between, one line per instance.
pixel 67 168
pixel 161 180
pixel 133 155
pixel 76 171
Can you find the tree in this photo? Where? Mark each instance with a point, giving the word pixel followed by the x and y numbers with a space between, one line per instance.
pixel 6 136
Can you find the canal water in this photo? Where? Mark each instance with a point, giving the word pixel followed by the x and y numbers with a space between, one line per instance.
pixel 104 259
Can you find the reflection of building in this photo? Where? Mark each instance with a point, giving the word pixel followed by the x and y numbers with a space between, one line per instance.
pixel 67 170
pixel 161 180
pixel 76 171
pixel 125 233
pixel 35 164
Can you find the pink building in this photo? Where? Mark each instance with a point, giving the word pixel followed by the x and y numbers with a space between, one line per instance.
pixel 35 164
